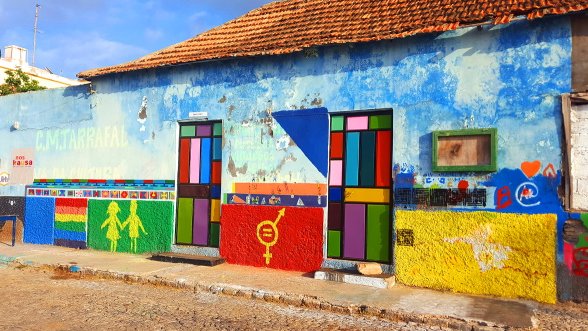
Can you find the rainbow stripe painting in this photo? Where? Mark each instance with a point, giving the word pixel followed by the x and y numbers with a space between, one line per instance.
pixel 71 219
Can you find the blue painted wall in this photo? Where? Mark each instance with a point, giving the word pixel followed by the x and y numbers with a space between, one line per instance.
pixel 39 212
pixel 509 77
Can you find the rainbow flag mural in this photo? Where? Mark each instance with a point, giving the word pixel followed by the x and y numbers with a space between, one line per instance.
pixel 71 219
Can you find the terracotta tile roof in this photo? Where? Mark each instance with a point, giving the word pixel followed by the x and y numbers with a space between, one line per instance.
pixel 292 25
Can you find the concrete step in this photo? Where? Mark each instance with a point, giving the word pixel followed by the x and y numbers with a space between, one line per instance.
pixel 354 277
pixel 188 258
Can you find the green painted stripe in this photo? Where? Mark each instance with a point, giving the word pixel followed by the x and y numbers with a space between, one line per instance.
pixel 214 234
pixel 71 226
pixel 185 214
pixel 378 233
pixel 217 129
pixel 334 243
pixel 367 163
pixel 188 131
pixel 380 122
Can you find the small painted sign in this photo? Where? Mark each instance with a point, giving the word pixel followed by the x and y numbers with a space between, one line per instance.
pixel 198 114
pixel 4 178
pixel 22 166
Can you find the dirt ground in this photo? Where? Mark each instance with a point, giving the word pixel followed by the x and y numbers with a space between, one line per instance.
pixel 32 299
pixel 563 316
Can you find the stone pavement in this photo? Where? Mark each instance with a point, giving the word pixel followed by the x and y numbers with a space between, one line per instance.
pixel 465 312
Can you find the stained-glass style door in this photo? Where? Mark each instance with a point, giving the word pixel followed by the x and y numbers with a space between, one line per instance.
pixel 359 214
pixel 199 179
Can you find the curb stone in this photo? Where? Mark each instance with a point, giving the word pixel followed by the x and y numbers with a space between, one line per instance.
pixel 291 299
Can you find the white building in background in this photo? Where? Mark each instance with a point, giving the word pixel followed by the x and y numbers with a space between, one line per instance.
pixel 15 57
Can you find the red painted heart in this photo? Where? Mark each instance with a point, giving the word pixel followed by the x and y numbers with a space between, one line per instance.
pixel 530 169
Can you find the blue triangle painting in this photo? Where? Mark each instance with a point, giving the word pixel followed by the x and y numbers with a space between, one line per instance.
pixel 309 128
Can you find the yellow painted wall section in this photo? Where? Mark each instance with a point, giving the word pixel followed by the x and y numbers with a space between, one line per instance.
pixel 508 255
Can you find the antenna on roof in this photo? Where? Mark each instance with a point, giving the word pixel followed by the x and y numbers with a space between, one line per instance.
pixel 35 30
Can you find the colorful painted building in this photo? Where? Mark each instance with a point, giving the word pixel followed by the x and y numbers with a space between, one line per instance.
pixel 444 142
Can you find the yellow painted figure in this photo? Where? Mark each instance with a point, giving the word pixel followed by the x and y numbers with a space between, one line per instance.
pixel 135 224
pixel 114 224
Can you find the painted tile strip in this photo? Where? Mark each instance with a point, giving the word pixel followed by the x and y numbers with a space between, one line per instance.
pixel 367 162
pixel 205 161
pixel 195 162
pixel 281 188
pixel 184 160
pixel 378 233
pixel 376 195
pixel 200 227
pixel 352 159
pixel 354 231
pixel 185 210
pixel 383 159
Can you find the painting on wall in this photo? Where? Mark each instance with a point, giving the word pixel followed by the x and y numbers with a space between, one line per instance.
pixel 199 182
pixel 39 215
pixel 359 219
pixel 71 218
pixel 289 238
pixel 509 255
pixel 132 226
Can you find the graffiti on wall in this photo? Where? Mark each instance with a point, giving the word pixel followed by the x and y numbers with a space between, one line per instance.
pixel 132 226
pixel 478 252
pixel 576 245
pixel 288 238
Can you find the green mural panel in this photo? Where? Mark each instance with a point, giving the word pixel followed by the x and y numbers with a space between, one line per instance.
pixel 130 226
pixel 185 216
pixel 187 131
pixel 337 123
pixel 378 232
pixel 381 122
pixel 334 244
pixel 214 234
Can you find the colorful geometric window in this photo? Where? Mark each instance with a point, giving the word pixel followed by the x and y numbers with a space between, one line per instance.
pixel 359 214
pixel 199 179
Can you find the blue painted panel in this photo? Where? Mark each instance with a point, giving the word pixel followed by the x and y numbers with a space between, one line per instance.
pixel 217 151
pixel 70 235
pixel 335 194
pixel 215 191
pixel 38 225
pixel 205 161
pixel 352 159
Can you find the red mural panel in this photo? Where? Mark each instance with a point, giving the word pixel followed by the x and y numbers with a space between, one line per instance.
pixel 289 238
pixel 184 160
pixel 383 160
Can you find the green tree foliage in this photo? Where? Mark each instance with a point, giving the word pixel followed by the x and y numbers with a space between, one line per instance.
pixel 17 82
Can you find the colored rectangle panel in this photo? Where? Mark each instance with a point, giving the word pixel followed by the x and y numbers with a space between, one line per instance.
pixel 187 131
pixel 185 212
pixel 217 148
pixel 205 161
pixel 215 210
pixel 357 123
pixel 380 122
pixel 217 129
pixel 335 194
pixel 376 195
pixel 184 168
pixel 193 191
pixel 195 161
pixel 352 159
pixel 214 234
pixel 69 235
pixel 203 130
pixel 334 244
pixel 200 226
pixel 336 173
pixel 337 123
pixel 367 158
pixel 71 226
pixel 354 231
pixel 38 224
pixel 335 216
pixel 378 233
pixel 216 172
pixel 215 191
pixel 383 158
pixel 337 145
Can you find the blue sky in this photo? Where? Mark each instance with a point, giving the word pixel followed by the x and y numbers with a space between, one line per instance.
pixel 77 35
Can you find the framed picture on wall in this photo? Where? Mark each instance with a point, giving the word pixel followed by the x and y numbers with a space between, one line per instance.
pixel 464 150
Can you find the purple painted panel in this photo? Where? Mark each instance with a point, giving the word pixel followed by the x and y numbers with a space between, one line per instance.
pixel 200 228
pixel 203 130
pixel 354 231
